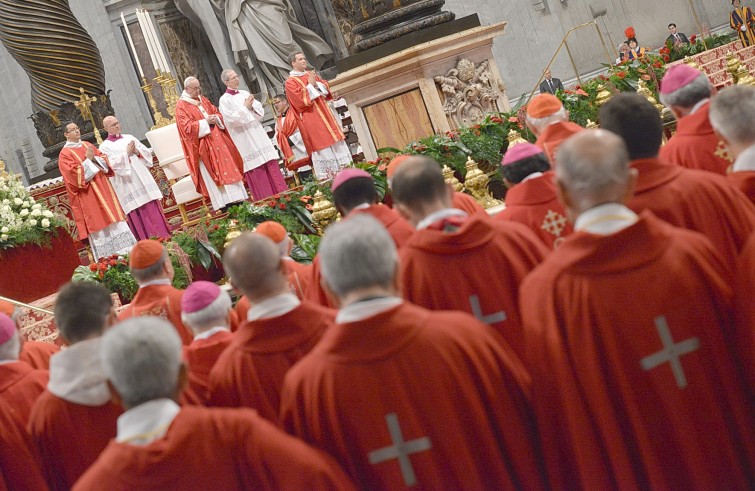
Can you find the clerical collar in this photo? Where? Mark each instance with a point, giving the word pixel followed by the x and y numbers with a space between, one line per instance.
pixel 114 138
pixel 364 309
pixel 273 307
pixel 146 422
pixel 210 333
pixel 294 73
pixel 76 374
pixel 75 144
pixel 439 215
pixel 531 176
pixel 186 97
pixel 698 105
pixel 745 161
pixel 159 281
pixel 605 219
pixel 231 91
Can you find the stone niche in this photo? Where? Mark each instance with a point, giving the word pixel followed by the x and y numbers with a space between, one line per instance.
pixel 429 88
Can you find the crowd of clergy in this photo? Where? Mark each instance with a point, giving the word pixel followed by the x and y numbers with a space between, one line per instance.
pixel 599 333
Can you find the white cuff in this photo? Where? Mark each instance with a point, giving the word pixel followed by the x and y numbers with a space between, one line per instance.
pixel 204 128
pixel 90 169
pixel 323 90
pixel 313 93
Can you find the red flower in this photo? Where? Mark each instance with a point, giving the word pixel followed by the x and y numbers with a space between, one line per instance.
pixel 496 119
pixel 666 58
pixel 665 50
pixel 112 262
pixel 282 206
pixel 582 92
pixel 216 227
pixel 657 64
pixel 603 77
pixel 693 39
pixel 288 198
pixel 513 119
pixel 309 207
pixel 102 267
pixel 382 167
pixel 101 275
pixel 621 74
pixel 93 267
pixel 271 204
pixel 645 77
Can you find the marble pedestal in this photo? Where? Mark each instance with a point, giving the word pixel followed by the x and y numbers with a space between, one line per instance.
pixel 398 99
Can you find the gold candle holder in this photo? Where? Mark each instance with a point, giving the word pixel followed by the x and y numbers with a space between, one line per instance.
pixel 160 120
pixel 450 178
pixel 168 86
pixel 323 212
pixel 476 182
pixel 644 91
pixel 515 138
pixel 604 95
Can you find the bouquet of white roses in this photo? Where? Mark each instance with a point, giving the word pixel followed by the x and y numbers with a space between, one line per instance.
pixel 22 220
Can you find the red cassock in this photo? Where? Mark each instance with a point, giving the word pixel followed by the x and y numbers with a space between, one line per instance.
pixel 695 146
pixel 414 397
pixel 744 181
pixel 37 354
pixel 94 203
pixel 20 386
pixel 284 128
pixel 553 135
pixel 319 128
pixel 250 372
pixel 632 380
pixel 745 312
pixel 19 465
pixel 69 437
pixel 201 355
pixel 223 449
pixel 216 150
pixel 697 201
pixel 466 203
pixel 477 269
pixel 399 229
pixel 162 301
pixel 534 203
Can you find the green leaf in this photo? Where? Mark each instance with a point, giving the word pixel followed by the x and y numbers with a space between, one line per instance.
pixel 203 253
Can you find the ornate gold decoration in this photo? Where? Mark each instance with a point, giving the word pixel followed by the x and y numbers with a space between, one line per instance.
pixel 3 172
pixel 85 108
pixel 160 120
pixel 743 76
pixel 723 152
pixel 476 182
pixel 170 94
pixel 470 92
pixel 732 66
pixel 450 178
pixel 515 138
pixel 233 232
pixel 644 91
pixel 604 95
pixel 323 212
pixel 591 124
pixel 691 62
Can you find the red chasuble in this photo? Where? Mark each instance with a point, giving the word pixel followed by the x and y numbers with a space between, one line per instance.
pixel 69 436
pixel 744 181
pixel 632 380
pixel 695 146
pixel 477 269
pixel 93 203
pixel 19 465
pixel 534 203
pixel 697 201
pixel 216 150
pixel 250 372
pixel 222 449
pixel 162 301
pixel 284 128
pixel 37 354
pixel 410 397
pixel 553 135
pixel 745 313
pixel 466 203
pixel 20 386
pixel 201 355
pixel 319 128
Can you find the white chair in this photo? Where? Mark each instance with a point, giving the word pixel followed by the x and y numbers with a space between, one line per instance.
pixel 166 144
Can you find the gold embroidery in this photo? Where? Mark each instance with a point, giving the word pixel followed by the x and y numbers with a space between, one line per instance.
pixel 722 152
pixel 102 201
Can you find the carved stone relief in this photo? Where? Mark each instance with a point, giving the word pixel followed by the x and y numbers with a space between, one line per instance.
pixel 470 92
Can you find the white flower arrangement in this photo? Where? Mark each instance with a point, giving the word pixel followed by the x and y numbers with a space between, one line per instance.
pixel 22 220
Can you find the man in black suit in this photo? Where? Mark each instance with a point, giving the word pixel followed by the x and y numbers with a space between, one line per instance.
pixel 550 85
pixel 676 38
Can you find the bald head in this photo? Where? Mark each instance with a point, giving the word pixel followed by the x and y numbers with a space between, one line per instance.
pixel 253 263
pixel 419 188
pixel 593 169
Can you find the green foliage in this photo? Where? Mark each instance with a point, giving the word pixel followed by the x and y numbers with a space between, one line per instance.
pixel 306 247
pixel 695 46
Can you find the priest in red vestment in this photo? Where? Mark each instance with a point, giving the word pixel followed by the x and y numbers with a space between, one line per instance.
pixel 35 353
pixel 307 95
pixel 20 384
pixel 549 121
pixel 289 139
pixel 73 419
pixel 214 162
pixel 732 115
pixel 160 445
pixel 206 310
pixel 277 332
pixel 406 397
pixel 151 267
pixel 94 204
pixel 458 262
pixel 688 198
pixel 686 91
pixel 531 198
pixel 745 313
pixel 626 327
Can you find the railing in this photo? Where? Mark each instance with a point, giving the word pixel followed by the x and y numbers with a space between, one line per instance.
pixel 26 305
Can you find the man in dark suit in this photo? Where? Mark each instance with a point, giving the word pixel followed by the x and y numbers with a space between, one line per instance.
pixel 676 38
pixel 550 85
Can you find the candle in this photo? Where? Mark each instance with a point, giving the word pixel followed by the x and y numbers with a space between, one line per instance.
pixel 147 37
pixel 131 44
pixel 158 46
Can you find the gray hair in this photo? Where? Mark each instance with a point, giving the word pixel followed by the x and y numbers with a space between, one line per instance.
pixel 732 113
pixel 215 314
pixel 142 358
pixel 225 75
pixel 10 349
pixel 690 94
pixel 591 163
pixel 144 275
pixel 357 253
pixel 189 79
pixel 541 123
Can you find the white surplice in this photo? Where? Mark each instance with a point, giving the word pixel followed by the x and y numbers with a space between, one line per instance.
pixel 245 128
pixel 133 182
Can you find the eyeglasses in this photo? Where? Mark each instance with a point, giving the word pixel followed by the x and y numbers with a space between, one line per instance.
pixel 72 130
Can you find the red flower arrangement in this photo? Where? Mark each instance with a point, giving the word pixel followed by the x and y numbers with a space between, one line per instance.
pixel 693 39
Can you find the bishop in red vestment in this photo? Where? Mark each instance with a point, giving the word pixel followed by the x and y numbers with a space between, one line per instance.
pixel 531 198
pixel 549 121
pixel 626 327
pixel 77 391
pixel 307 94
pixel 374 392
pixel 686 91
pixel 152 268
pixel 289 139
pixel 687 198
pixel 160 446
pixel 215 164
pixel 278 331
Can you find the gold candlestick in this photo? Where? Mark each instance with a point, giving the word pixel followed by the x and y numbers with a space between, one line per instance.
pixel 323 212
pixel 477 183
pixel 160 120
pixel 450 178
pixel 168 86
